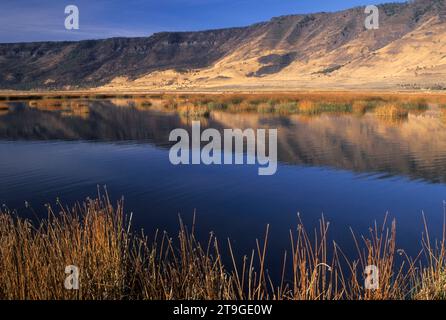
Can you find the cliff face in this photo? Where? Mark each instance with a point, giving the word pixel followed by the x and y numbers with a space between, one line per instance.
pixel 94 62
pixel 319 49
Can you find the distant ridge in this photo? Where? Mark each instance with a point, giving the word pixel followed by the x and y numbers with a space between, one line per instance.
pixel 321 50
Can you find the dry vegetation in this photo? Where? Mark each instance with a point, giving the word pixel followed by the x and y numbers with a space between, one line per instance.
pixel 116 263
pixel 392 106
pixel 385 105
pixel 391 111
pixel 389 108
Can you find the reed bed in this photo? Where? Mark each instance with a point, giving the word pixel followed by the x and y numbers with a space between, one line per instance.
pixel 386 105
pixel 193 111
pixel 33 256
pixel 314 108
pixel 363 106
pixel 117 263
pixel 392 111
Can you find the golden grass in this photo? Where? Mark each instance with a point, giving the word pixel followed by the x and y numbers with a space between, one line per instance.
pixel 57 105
pixel 189 110
pixel 379 249
pixel 388 105
pixel 236 97
pixel 307 107
pixel 443 115
pixel 317 107
pixel 265 107
pixel 33 257
pixel 391 110
pixel 115 263
pixel 362 106
pixel 430 281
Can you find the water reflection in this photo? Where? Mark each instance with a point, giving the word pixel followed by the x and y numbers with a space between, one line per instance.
pixel 46 151
pixel 413 146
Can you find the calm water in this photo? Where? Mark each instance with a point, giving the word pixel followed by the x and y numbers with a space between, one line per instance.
pixel 352 169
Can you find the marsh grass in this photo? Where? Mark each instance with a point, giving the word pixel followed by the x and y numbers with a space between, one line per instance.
pixel 33 256
pixel 193 111
pixel 393 106
pixel 363 106
pixel 311 103
pixel 335 107
pixel 314 108
pixel 286 107
pixel 213 105
pixel 430 282
pixel 392 111
pixel 379 249
pixel 117 263
pixel 416 105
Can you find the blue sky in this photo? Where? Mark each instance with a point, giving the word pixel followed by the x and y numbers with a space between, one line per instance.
pixel 38 20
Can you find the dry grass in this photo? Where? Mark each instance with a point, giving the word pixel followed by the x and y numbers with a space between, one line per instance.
pixel 391 110
pixel 193 111
pixel 33 257
pixel 386 104
pixel 379 249
pixel 115 263
pixel 430 281
pixel 307 107
pixel 362 106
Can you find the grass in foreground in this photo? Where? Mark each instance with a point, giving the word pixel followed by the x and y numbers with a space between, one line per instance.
pixel 116 263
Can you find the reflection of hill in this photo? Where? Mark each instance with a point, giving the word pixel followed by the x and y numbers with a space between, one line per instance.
pixel 104 122
pixel 415 148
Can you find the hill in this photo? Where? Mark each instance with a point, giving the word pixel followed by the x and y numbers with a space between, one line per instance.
pixel 321 50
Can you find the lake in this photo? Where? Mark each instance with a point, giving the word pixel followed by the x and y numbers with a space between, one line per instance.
pixel 351 168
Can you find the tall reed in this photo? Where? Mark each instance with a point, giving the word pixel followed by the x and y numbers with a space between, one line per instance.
pixel 115 262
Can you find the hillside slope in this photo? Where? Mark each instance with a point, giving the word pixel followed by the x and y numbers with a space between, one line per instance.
pixel 322 50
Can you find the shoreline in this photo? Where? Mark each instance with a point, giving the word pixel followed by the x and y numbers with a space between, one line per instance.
pixel 125 94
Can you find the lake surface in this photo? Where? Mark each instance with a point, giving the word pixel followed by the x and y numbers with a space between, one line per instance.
pixel 351 169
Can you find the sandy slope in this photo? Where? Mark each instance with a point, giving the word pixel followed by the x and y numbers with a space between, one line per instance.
pixel 416 59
